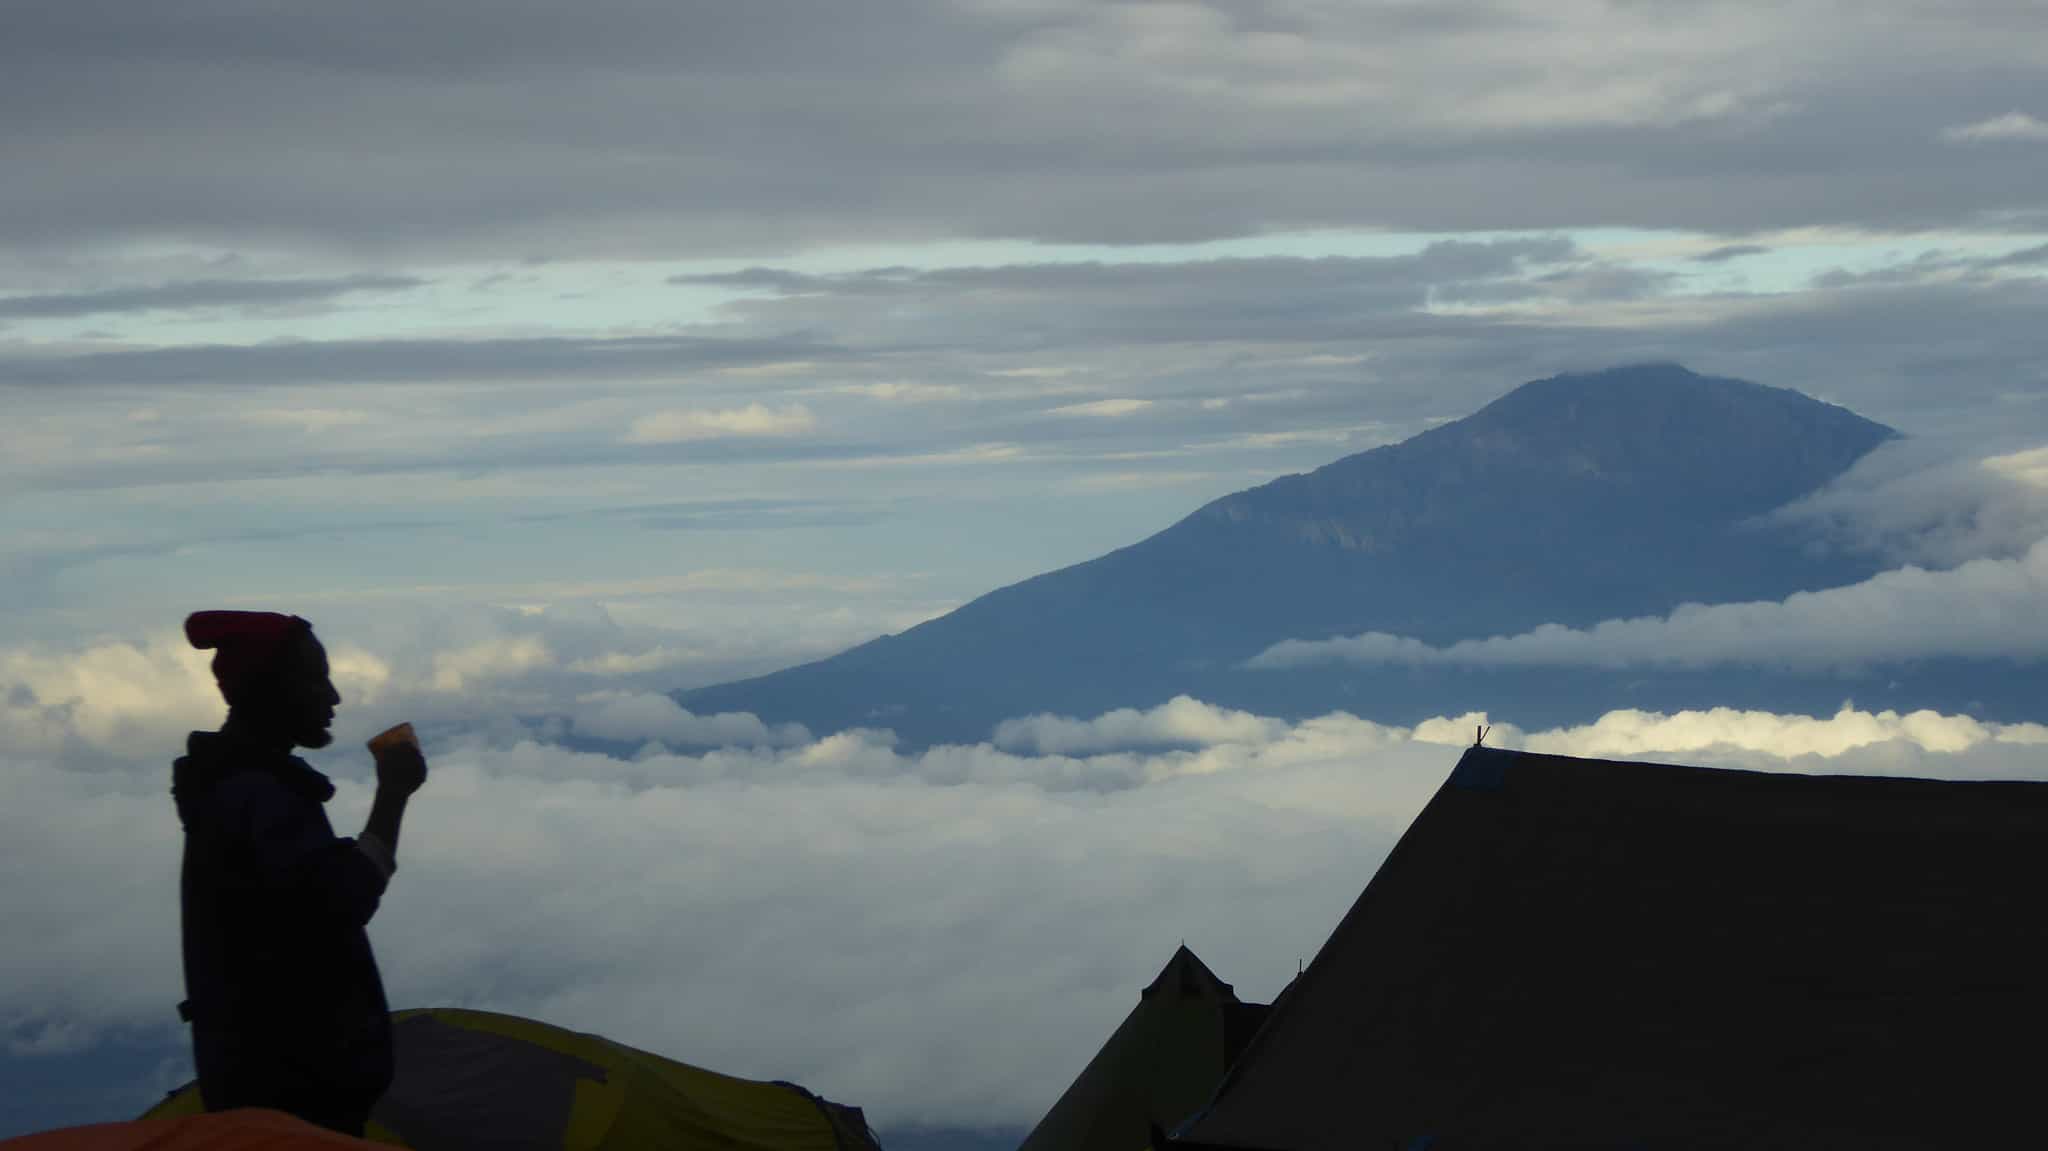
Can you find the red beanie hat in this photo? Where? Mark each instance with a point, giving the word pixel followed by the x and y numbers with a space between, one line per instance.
pixel 247 640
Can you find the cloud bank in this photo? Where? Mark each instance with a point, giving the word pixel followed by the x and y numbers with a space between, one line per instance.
pixel 1932 502
pixel 950 118
pixel 1970 533
pixel 1985 608
pixel 942 936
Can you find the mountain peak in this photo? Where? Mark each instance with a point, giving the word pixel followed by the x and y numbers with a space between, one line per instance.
pixel 1569 500
pixel 1646 438
pixel 1653 392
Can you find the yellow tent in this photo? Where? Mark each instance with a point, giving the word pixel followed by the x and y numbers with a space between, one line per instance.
pixel 473 1079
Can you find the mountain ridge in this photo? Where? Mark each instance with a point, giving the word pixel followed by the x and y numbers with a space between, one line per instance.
pixel 1571 499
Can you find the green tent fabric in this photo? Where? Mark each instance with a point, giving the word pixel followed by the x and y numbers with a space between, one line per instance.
pixel 473 1079
pixel 1578 953
pixel 1161 1063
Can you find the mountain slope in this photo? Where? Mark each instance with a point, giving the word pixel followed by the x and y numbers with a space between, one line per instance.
pixel 1570 500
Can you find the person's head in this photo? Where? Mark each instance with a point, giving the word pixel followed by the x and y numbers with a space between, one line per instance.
pixel 272 671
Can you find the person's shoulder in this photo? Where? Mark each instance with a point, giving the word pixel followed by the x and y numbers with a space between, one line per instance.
pixel 253 788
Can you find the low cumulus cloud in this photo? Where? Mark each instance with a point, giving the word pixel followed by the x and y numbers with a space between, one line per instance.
pixel 1927 502
pixel 827 908
pixel 1181 720
pixel 119 698
pixel 491 659
pixel 653 718
pixel 1734 737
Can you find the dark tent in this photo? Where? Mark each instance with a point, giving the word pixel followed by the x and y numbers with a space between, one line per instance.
pixel 1158 1066
pixel 1579 953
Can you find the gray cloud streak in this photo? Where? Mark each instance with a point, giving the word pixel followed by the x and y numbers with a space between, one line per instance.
pixel 1727 252
pixel 408 361
pixel 195 294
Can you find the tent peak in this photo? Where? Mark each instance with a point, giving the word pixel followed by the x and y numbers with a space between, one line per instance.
pixel 1185 976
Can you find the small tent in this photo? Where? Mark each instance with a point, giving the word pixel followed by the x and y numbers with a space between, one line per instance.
pixel 1577 953
pixel 473 1079
pixel 1160 1064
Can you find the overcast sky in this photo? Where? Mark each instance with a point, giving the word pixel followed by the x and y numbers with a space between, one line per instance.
pixel 548 357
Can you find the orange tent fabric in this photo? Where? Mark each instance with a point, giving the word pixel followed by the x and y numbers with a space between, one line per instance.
pixel 248 1129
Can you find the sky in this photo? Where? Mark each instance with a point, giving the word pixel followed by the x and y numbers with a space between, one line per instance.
pixel 552 357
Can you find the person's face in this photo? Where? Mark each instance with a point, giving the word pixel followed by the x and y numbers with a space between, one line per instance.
pixel 304 696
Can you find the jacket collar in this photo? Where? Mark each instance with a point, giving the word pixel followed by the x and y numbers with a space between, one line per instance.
pixel 211 756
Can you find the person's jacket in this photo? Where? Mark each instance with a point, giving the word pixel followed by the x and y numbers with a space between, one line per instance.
pixel 283 993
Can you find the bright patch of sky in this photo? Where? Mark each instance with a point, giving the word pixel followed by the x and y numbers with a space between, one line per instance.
pixel 610 297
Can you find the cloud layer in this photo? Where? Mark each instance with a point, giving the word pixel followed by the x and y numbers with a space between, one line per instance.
pixel 942 937
pixel 693 127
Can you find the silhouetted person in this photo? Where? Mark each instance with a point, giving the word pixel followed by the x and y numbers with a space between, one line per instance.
pixel 286 1006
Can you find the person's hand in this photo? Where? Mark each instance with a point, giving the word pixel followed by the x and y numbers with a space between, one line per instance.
pixel 401 769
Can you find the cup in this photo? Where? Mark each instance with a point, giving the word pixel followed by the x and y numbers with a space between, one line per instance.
pixel 392 737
